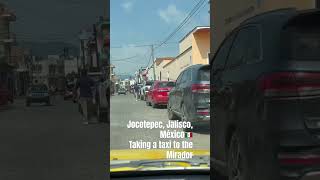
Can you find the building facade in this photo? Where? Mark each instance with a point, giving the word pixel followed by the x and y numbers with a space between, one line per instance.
pixel 224 17
pixel 194 49
pixel 7 76
pixel 160 71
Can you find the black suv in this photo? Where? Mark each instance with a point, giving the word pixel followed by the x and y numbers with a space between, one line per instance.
pixel 189 100
pixel 265 95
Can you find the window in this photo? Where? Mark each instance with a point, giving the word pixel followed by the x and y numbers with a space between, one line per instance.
pixel 222 54
pixel 246 47
pixel 166 84
pixel 179 78
pixel 303 44
pixel 186 76
pixel 204 74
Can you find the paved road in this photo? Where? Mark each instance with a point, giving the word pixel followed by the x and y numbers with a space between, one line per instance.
pixel 125 108
pixel 50 143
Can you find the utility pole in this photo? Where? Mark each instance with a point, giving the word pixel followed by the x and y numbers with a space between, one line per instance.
pixel 154 68
pixel 96 47
pixel 83 55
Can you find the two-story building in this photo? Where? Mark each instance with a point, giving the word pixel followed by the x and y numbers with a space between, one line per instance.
pixel 194 49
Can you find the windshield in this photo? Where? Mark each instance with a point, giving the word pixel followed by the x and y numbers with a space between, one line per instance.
pixel 204 74
pixel 166 84
pixel 305 45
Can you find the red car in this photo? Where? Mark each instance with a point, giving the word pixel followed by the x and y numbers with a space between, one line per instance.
pixel 159 93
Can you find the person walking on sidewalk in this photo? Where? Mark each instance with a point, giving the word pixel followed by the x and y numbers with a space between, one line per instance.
pixel 85 84
pixel 136 91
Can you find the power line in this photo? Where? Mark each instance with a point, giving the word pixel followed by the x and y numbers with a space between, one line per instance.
pixel 191 13
pixel 143 45
pixel 123 59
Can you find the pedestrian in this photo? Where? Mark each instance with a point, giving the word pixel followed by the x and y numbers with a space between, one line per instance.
pixel 52 92
pixel 85 84
pixel 136 91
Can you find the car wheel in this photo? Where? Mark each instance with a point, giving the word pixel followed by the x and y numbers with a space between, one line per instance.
pixel 171 114
pixel 237 168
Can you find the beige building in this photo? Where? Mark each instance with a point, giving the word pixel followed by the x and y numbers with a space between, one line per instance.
pixel 159 70
pixel 224 16
pixel 193 49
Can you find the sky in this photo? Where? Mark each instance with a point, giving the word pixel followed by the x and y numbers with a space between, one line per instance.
pixel 144 22
pixel 54 20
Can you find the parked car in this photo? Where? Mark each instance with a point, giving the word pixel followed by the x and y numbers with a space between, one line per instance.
pixel 122 91
pixel 189 100
pixel 144 89
pixel 265 98
pixel 158 93
pixel 38 93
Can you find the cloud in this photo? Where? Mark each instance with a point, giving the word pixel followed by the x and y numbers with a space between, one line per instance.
pixel 171 14
pixel 127 6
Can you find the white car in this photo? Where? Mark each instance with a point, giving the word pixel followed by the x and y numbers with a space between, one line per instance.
pixel 144 89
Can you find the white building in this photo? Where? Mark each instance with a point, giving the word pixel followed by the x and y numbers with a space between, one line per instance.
pixel 71 65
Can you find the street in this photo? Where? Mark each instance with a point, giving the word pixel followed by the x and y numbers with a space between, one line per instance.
pixel 51 143
pixel 125 108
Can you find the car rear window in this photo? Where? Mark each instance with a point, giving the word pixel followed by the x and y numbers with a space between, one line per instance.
pixel 166 84
pixel 204 74
pixel 302 38
pixel 305 45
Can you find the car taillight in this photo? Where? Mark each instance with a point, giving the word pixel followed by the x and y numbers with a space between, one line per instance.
pixel 203 112
pixel 299 159
pixel 200 88
pixel 290 84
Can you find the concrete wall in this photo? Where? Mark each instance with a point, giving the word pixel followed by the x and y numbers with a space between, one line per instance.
pixel 201 47
pixel 185 43
pixel 161 73
pixel 174 68
pixel 194 49
pixel 224 16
